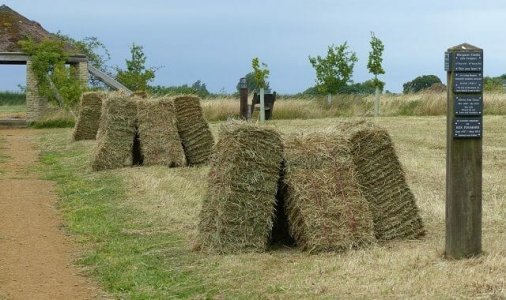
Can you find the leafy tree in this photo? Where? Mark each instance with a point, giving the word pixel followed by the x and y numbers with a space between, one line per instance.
pixel 335 70
pixel 420 83
pixel 376 59
pixel 251 82
pixel 55 80
pixel 136 76
pixel 375 68
pixel 260 73
pixel 96 52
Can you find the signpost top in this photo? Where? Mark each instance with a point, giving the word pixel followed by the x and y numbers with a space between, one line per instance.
pixel 464 47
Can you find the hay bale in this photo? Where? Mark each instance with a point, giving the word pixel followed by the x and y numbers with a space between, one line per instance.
pixel 383 183
pixel 159 138
pixel 117 132
pixel 89 116
pixel 238 208
pixel 193 129
pixel 325 208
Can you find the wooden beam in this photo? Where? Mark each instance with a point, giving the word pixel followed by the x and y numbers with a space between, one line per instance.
pixel 108 80
pixel 20 58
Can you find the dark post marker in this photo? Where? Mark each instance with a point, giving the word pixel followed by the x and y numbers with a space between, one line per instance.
pixel 243 87
pixel 464 66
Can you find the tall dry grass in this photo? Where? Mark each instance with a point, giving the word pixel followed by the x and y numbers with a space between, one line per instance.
pixel 285 108
pixel 171 200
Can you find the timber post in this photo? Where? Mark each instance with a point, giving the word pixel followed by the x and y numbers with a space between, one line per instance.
pixel 464 66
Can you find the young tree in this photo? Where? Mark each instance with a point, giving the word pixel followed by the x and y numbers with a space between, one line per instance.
pixel 375 68
pixel 136 76
pixel 335 70
pixel 260 73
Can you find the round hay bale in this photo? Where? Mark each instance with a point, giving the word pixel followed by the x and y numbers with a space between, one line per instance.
pixel 117 133
pixel 238 208
pixel 159 138
pixel 89 116
pixel 325 208
pixel 383 182
pixel 193 130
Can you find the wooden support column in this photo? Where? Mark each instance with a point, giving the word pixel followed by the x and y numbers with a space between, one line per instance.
pixel 464 66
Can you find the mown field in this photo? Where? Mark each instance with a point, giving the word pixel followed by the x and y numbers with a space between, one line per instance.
pixel 137 227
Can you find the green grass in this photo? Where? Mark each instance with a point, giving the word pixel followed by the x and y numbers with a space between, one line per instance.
pixel 126 261
pixel 54 123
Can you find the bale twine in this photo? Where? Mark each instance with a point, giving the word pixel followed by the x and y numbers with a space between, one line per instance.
pixel 159 138
pixel 325 208
pixel 238 209
pixel 117 132
pixel 193 129
pixel 383 182
pixel 89 116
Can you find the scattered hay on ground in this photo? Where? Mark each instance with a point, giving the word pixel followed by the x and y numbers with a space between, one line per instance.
pixel 238 209
pixel 159 138
pixel 193 129
pixel 89 116
pixel 117 132
pixel 383 183
pixel 325 208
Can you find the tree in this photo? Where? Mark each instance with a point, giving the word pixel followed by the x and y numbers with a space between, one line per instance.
pixel 335 70
pixel 136 76
pixel 260 73
pixel 96 52
pixel 251 82
pixel 420 83
pixel 54 80
pixel 375 68
pixel 376 59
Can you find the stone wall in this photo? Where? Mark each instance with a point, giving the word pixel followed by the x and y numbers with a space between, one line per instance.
pixel 82 72
pixel 36 106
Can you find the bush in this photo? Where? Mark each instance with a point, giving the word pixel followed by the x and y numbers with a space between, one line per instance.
pixel 420 83
pixel 11 98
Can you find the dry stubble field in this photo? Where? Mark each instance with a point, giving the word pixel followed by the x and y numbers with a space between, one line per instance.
pixel 170 199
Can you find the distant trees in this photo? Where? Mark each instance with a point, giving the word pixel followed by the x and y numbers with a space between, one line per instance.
pixel 494 84
pixel 136 76
pixel 335 70
pixel 420 83
pixel 197 88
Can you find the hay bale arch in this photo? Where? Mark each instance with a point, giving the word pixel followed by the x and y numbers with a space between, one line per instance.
pixel 238 208
pixel 116 133
pixel 325 207
pixel 381 177
pixel 193 130
pixel 157 133
pixel 89 116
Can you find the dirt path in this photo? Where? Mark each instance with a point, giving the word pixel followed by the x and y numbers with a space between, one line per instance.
pixel 36 258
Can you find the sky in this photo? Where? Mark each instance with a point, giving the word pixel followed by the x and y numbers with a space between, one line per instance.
pixel 215 41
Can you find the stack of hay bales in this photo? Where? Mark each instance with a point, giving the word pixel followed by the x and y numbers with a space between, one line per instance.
pixel 159 138
pixel 89 116
pixel 237 212
pixel 116 133
pixel 383 183
pixel 193 130
pixel 325 208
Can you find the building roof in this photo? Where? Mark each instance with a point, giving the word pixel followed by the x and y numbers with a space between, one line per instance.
pixel 15 27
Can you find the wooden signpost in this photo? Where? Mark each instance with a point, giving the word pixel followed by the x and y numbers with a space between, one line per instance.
pixel 464 66
pixel 243 89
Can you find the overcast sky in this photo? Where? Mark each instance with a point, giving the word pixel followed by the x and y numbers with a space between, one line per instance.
pixel 214 41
